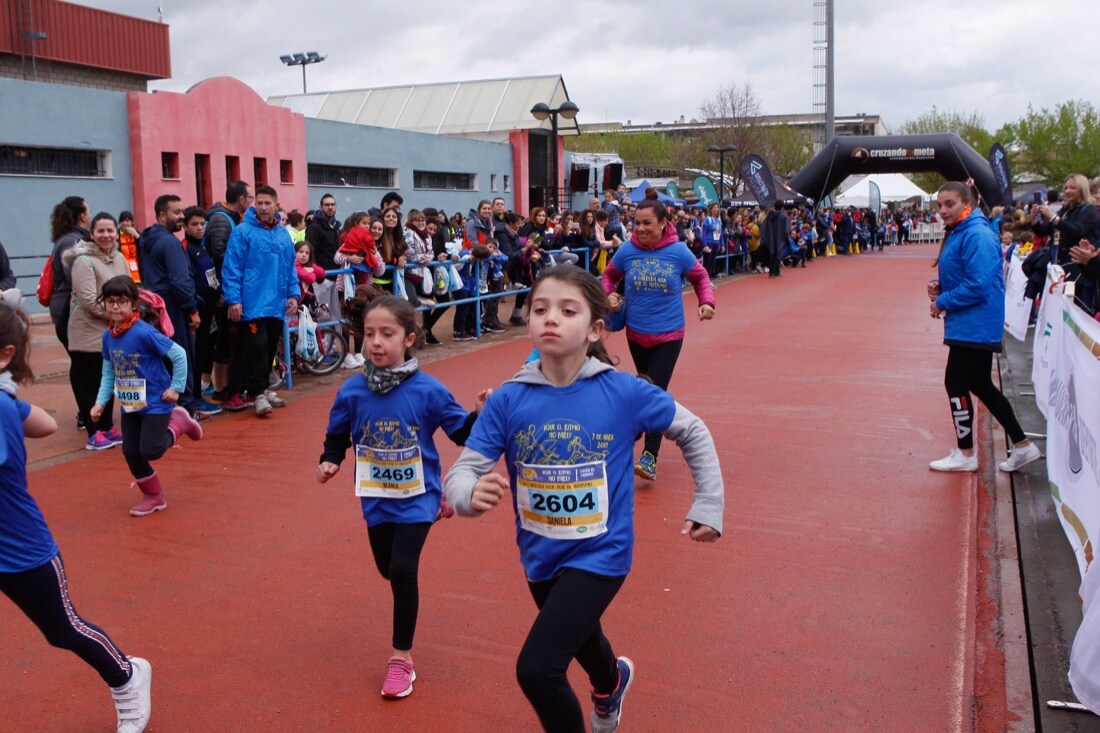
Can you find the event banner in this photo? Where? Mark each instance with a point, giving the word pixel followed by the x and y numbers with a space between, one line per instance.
pixel 874 197
pixel 672 190
pixel 758 176
pixel 998 161
pixel 1017 306
pixel 1043 348
pixel 704 189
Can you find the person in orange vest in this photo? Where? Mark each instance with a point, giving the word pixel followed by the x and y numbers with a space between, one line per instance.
pixel 128 242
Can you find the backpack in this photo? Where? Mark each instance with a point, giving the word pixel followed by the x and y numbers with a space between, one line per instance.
pixel 44 291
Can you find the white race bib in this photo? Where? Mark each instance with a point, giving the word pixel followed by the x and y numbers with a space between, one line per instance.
pixel 130 394
pixel 562 502
pixel 388 473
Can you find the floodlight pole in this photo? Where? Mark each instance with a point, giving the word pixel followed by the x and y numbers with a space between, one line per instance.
pixel 541 112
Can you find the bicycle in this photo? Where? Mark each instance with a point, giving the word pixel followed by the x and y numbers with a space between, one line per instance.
pixel 332 347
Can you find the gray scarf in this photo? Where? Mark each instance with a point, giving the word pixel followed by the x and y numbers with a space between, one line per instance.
pixel 7 383
pixel 383 380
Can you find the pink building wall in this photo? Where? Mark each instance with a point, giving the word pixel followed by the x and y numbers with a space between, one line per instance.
pixel 218 118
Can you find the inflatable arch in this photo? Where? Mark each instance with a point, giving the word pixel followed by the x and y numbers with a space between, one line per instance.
pixel 945 153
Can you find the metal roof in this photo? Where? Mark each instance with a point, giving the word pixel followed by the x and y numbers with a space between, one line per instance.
pixel 444 108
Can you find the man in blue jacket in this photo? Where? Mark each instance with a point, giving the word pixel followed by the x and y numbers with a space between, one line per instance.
pixel 166 271
pixel 970 296
pixel 260 286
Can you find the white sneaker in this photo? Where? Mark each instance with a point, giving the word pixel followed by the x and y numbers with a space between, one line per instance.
pixel 274 398
pixel 263 405
pixel 134 701
pixel 1020 457
pixel 956 460
pixel 350 362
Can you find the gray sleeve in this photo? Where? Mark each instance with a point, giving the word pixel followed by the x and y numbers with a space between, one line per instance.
pixel 458 486
pixel 697 445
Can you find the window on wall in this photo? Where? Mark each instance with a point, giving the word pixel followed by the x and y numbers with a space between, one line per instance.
pixel 349 176
pixel 232 168
pixel 170 166
pixel 507 184
pixel 445 181
pixel 17 160
pixel 286 171
pixel 493 182
pixel 259 172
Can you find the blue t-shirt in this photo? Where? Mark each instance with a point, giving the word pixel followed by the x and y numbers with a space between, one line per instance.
pixel 25 540
pixel 138 360
pixel 590 421
pixel 654 280
pixel 400 422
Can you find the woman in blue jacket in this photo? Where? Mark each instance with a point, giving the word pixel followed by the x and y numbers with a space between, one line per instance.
pixel 969 295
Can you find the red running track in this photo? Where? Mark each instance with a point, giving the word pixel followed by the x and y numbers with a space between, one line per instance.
pixel 841 597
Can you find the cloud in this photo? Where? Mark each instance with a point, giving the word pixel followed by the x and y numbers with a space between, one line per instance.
pixel 649 60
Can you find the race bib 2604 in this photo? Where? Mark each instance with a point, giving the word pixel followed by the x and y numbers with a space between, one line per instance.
pixel 562 502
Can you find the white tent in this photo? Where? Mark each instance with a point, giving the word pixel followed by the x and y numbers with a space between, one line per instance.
pixel 893 186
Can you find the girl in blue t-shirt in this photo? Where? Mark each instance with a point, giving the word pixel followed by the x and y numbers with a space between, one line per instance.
pixel 32 574
pixel 390 412
pixel 134 370
pixel 566 425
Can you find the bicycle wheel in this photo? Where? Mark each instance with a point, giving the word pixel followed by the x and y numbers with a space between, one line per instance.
pixel 333 348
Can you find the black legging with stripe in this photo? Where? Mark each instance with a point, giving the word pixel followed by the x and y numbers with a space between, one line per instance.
pixel 657 363
pixel 969 372
pixel 43 595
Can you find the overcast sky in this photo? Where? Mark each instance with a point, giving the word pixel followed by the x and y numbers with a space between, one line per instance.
pixel 646 61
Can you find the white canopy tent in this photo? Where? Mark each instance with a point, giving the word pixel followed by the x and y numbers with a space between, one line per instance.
pixel 893 186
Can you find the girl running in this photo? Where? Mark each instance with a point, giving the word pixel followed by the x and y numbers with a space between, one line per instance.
pixel 32 574
pixel 653 264
pixel 133 369
pixel 566 424
pixel 390 412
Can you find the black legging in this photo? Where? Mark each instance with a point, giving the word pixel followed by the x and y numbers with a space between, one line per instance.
pixel 43 595
pixel 85 373
pixel 145 438
pixel 567 628
pixel 969 373
pixel 433 315
pixel 396 549
pixel 657 363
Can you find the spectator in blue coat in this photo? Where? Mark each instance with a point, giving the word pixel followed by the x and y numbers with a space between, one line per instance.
pixel 166 270
pixel 970 296
pixel 260 286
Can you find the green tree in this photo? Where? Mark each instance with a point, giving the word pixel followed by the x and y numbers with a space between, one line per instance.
pixel 635 148
pixel 1051 145
pixel 970 126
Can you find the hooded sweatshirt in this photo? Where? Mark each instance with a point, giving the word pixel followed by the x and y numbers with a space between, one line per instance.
pixel 570 457
pixel 654 286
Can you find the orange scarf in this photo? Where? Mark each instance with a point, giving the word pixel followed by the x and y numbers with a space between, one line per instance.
pixel 117 329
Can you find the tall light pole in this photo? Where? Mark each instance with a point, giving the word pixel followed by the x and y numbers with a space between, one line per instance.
pixel 721 168
pixel 303 60
pixel 542 112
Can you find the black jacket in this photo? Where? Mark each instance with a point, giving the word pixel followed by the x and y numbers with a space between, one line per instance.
pixel 7 277
pixel 773 234
pixel 1074 224
pixel 325 240
pixel 218 230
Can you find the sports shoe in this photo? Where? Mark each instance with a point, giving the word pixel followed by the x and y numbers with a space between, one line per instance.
pixel 431 340
pixel 114 436
pixel 1020 457
pixel 400 676
pixel 350 362
pixel 274 399
pixel 237 403
pixel 493 327
pixel 609 708
pixel 646 467
pixel 79 422
pixel 207 390
pixel 956 460
pixel 99 441
pixel 517 321
pixel 463 336
pixel 134 700
pixel 263 404
pixel 206 409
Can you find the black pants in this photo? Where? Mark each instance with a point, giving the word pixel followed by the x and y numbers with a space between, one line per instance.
pixel 204 352
pixel 492 305
pixel 396 549
pixel 185 337
pixel 145 438
pixel 43 595
pixel 567 628
pixel 710 261
pixel 969 373
pixel 85 373
pixel 465 315
pixel 432 317
pixel 774 259
pixel 657 363
pixel 262 337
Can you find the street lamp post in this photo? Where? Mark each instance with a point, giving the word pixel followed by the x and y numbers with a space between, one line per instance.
pixel 721 168
pixel 542 112
pixel 303 60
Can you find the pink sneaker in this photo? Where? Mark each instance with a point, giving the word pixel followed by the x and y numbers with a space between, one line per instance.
pixel 399 678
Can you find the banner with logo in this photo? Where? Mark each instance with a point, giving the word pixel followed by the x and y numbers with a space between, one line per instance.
pixel 998 161
pixel 1017 306
pixel 758 176
pixel 874 198
pixel 704 189
pixel 1043 349
pixel 672 190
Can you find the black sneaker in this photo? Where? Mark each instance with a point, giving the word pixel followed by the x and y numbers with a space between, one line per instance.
pixel 464 336
pixel 517 321
pixel 79 422
pixel 431 340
